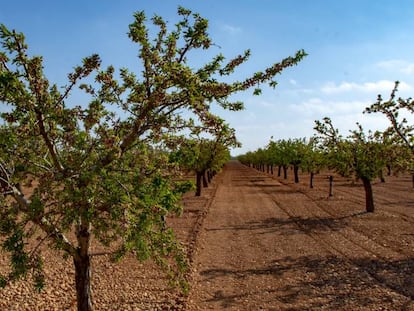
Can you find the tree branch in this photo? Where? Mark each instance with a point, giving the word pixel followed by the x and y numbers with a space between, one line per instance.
pixel 39 114
pixel 59 238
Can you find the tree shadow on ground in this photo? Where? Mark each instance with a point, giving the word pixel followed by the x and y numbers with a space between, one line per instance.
pixel 312 283
pixel 292 225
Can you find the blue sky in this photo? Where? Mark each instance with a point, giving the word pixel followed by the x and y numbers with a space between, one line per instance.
pixel 357 49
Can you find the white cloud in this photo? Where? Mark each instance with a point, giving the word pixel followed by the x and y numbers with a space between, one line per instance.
pixel 232 30
pixel 265 103
pixel 397 65
pixel 347 123
pixel 319 107
pixel 293 82
pixel 390 64
pixel 408 69
pixel 381 86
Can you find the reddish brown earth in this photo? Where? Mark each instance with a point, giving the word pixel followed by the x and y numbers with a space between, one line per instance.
pixel 267 245
pixel 258 242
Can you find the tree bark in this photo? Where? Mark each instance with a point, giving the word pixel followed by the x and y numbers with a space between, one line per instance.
pixel 412 178
pixel 330 185
pixel 209 176
pixel 284 171
pixel 311 180
pixel 82 262
pixel 369 197
pixel 381 176
pixel 199 178
pixel 388 170
pixel 296 173
pixel 205 183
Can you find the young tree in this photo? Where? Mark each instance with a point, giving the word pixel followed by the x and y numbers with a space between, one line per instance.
pixel 97 169
pixel 359 155
pixel 297 152
pixel 278 155
pixel 313 161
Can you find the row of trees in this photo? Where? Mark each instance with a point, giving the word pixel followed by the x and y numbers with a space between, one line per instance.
pixel 203 156
pixel 108 168
pixel 364 155
pixel 295 153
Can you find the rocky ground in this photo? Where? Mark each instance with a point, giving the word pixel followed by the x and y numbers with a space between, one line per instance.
pixel 259 242
pixel 128 285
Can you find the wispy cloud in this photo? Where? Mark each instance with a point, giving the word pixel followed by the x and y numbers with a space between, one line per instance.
pixel 382 86
pixel 230 29
pixel 397 65
pixel 320 107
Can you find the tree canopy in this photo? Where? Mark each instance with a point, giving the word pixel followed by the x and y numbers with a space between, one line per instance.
pixel 98 166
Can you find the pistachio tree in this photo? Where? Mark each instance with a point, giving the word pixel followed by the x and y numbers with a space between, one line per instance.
pixel 98 171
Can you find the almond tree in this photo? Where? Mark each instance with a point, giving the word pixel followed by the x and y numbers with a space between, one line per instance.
pixel 97 168
pixel 360 155
pixel 313 161
pixel 297 152
pixel 401 132
pixel 204 156
pixel 278 155
pixel 285 152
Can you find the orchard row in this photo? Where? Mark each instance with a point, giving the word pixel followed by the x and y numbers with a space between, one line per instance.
pixel 365 155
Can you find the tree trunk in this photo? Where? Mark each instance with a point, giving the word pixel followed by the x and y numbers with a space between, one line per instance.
pixel 209 176
pixel 271 169
pixel 369 197
pixel 296 173
pixel 381 176
pixel 311 180
pixel 199 178
pixel 412 178
pixel 82 264
pixel 284 172
pixel 331 186
pixel 279 170
pixel 205 183
pixel 388 170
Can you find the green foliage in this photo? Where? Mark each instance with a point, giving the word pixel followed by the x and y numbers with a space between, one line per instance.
pixel 360 154
pixel 392 109
pixel 400 135
pixel 201 154
pixel 314 159
pixel 98 168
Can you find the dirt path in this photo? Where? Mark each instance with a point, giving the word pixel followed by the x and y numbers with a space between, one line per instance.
pixel 265 245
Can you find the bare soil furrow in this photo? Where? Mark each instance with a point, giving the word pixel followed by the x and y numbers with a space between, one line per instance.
pixel 269 246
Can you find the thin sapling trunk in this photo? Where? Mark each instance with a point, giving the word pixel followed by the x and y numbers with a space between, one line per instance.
pixel 369 197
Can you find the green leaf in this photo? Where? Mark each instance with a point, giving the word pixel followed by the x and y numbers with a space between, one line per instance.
pixel 257 91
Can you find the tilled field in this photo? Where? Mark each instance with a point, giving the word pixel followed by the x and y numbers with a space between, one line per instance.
pixel 258 242
pixel 270 244
pixel 128 285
